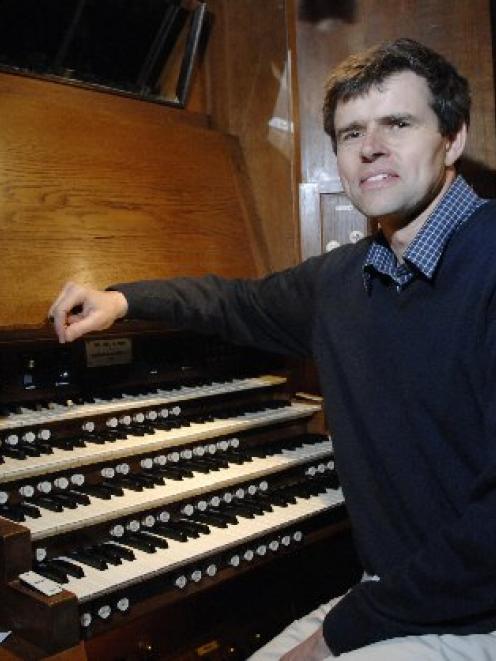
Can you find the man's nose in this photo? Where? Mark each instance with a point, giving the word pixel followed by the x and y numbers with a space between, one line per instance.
pixel 373 145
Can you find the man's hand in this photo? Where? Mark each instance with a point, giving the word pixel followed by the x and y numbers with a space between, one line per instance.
pixel 79 310
pixel 311 649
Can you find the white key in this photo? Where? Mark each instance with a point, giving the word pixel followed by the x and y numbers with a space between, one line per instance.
pixel 146 565
pixel 13 469
pixel 59 412
pixel 54 523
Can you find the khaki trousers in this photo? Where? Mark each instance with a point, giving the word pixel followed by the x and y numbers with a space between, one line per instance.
pixel 431 647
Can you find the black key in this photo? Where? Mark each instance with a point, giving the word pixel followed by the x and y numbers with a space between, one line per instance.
pixel 197 526
pixel 63 444
pixel 241 509
pixel 124 483
pixel 116 434
pixel 140 429
pixel 163 425
pixel 169 532
pixel 302 490
pixel 100 551
pixel 30 510
pixel 259 501
pixel 279 499
pixel 183 527
pixel 53 573
pixel 172 473
pixel 157 540
pixel 14 453
pixel 258 451
pixel 210 519
pixel 192 464
pixel 110 553
pixel 179 469
pixel 136 431
pixel 148 481
pixel 97 439
pixel 80 498
pixel 315 439
pixel 181 421
pixel 229 517
pixel 121 551
pixel 29 450
pixel 65 500
pixel 292 492
pixel 12 513
pixel 94 490
pixel 87 558
pixel 236 457
pixel 218 461
pixel 44 448
pixel 69 568
pixel 115 489
pixel 152 477
pixel 212 462
pixel 136 542
pixel 46 503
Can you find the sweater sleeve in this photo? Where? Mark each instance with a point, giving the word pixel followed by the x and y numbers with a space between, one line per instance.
pixel 274 313
pixel 448 585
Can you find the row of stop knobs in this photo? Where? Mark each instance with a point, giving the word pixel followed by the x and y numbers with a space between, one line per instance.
pixel 104 611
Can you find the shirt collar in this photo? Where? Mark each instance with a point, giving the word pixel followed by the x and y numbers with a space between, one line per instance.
pixel 425 251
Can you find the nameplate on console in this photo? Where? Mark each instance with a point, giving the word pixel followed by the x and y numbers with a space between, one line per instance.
pixel 112 351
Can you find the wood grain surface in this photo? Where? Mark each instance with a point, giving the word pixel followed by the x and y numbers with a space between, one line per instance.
pixel 101 188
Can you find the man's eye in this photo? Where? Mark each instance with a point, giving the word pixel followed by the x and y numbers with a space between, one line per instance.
pixel 350 135
pixel 400 124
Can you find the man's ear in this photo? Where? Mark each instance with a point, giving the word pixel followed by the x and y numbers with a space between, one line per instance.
pixel 455 146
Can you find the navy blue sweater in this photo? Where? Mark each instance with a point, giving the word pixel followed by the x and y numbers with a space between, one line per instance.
pixel 409 381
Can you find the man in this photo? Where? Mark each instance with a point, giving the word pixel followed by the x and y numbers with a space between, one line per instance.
pixel 402 327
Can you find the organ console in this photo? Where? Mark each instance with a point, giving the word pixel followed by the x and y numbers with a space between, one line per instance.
pixel 162 495
pixel 126 486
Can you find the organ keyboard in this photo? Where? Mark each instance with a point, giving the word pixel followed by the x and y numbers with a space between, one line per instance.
pixel 124 486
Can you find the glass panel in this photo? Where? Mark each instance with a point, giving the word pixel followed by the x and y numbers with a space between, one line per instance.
pixel 126 45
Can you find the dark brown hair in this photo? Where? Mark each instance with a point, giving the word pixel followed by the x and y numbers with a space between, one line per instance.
pixel 358 73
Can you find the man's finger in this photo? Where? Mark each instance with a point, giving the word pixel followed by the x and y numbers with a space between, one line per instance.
pixel 80 327
pixel 61 311
pixel 63 292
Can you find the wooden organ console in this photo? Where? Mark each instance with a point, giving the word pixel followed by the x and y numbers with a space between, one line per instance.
pixel 157 488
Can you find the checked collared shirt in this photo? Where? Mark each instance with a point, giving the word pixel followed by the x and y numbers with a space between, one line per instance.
pixel 423 254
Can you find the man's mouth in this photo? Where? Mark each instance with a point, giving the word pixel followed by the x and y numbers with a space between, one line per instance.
pixel 377 179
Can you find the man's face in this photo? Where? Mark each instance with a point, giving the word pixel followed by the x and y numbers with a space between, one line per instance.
pixel 391 156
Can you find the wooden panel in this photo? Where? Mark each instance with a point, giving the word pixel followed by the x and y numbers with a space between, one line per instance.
pixel 310 218
pixel 241 613
pixel 250 94
pixel 341 222
pixel 102 188
pixel 15 550
pixel 18 649
pixel 51 622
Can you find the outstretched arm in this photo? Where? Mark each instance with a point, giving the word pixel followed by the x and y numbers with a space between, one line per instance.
pixel 275 313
